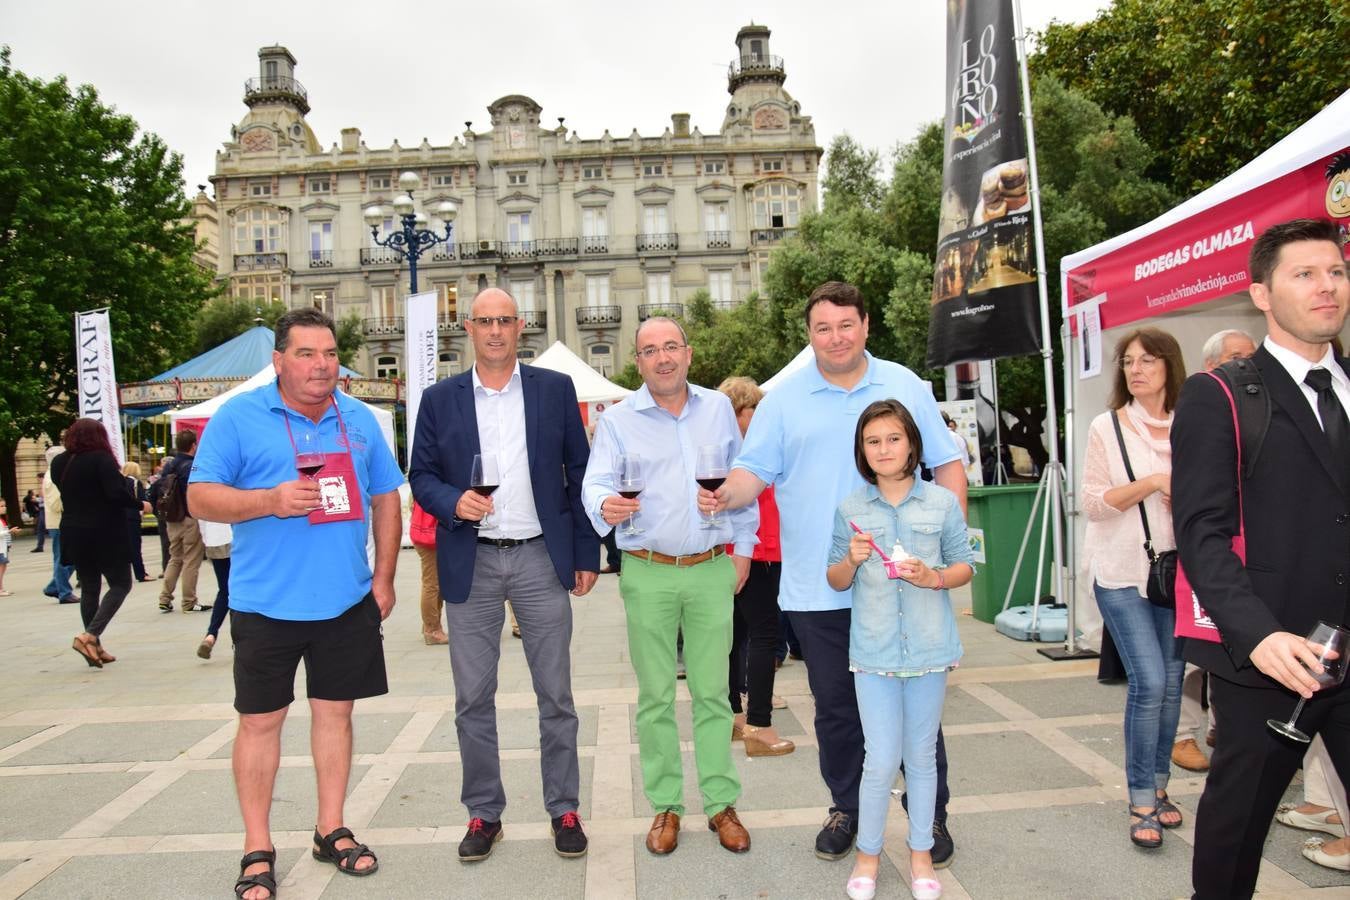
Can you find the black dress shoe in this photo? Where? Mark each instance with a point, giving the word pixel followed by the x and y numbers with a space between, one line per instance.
pixel 479 840
pixel 944 848
pixel 836 836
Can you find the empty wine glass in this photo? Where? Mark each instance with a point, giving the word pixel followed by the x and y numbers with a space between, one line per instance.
pixel 631 483
pixel 710 471
pixel 309 457
pixel 483 480
pixel 1333 640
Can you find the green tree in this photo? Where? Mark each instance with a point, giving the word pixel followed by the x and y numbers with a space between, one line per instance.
pixel 852 174
pixel 91 216
pixel 1211 83
pixel 351 337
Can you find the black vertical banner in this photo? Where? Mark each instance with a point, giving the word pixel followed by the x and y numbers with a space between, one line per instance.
pixel 984 279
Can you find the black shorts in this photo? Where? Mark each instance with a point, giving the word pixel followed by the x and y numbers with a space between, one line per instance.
pixel 344 657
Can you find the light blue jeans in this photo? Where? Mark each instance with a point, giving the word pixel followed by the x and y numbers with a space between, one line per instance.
pixel 900 719
pixel 1153 664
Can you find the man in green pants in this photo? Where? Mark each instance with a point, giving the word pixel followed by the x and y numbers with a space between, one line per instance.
pixel 676 573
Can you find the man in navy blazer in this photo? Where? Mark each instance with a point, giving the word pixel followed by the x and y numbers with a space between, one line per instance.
pixel 529 541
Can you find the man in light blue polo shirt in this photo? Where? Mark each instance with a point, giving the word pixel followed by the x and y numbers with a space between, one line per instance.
pixel 801 441
pixel 301 585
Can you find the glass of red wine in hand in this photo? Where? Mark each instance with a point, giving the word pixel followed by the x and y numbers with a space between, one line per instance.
pixel 1334 642
pixel 710 471
pixel 483 480
pixel 631 484
pixel 308 454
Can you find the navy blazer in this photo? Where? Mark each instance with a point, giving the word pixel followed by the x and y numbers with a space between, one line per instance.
pixel 444 445
pixel 1297 512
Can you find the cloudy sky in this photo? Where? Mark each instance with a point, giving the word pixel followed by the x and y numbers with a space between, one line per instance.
pixel 873 69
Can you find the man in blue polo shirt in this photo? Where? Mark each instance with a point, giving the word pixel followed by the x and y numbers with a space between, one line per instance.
pixel 300 581
pixel 801 441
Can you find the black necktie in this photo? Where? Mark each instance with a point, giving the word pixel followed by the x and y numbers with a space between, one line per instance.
pixel 1334 423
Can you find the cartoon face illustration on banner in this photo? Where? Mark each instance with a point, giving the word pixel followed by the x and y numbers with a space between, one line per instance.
pixel 1338 186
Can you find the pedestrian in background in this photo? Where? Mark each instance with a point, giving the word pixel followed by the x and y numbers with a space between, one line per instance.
pixel 32 504
pixel 216 537
pixel 59 587
pixel 132 472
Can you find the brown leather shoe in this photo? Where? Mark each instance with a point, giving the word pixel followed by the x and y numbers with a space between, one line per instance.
pixel 731 834
pixel 664 835
pixel 755 745
pixel 1188 755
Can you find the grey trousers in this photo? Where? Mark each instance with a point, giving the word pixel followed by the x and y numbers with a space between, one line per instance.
pixel 525 576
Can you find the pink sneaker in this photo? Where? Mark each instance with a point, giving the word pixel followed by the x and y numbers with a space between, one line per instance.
pixel 861 888
pixel 925 888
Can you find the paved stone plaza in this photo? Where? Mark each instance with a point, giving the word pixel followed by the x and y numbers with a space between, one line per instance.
pixel 116 782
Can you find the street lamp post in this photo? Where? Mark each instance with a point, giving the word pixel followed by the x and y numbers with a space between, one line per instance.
pixel 413 239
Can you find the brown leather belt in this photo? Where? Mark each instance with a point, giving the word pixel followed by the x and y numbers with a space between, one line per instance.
pixel 678 561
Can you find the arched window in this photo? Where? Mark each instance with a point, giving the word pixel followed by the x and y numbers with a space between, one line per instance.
pixel 777 205
pixel 386 366
pixel 447 364
pixel 258 229
pixel 601 358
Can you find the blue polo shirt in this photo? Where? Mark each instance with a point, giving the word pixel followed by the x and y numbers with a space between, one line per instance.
pixel 801 441
pixel 287 568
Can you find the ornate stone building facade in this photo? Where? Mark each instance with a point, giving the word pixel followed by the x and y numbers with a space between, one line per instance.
pixel 591 235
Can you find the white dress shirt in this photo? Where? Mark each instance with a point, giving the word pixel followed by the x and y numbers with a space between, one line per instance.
pixel 501 431
pixel 1298 369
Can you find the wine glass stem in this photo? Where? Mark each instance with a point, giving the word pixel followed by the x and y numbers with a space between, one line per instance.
pixel 1297 709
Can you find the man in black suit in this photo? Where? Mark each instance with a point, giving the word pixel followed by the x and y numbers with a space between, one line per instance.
pixel 1297 512
pixel 536 546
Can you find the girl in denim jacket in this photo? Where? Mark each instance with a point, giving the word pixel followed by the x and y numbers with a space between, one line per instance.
pixel 903 636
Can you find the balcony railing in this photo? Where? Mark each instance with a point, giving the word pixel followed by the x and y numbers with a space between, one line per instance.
pixel 599 316
pixel 477 249
pixel 770 235
pixel 321 259
pixel 748 65
pixel 380 256
pixel 719 240
pixel 256 89
pixel 669 310
pixel 556 247
pixel 535 319
pixel 658 242
pixel 516 249
pixel 251 262
pixel 383 326
pixel 725 305
pixel 443 252
pixel 453 324
pixel 596 243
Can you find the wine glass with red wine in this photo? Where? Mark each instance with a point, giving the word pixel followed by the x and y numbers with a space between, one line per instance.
pixel 710 471
pixel 309 456
pixel 483 480
pixel 631 484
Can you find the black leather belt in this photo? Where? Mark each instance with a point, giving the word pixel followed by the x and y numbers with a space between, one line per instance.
pixel 504 543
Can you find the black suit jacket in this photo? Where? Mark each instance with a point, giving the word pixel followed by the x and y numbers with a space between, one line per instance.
pixel 444 445
pixel 1297 505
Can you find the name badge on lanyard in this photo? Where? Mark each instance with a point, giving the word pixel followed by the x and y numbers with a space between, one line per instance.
pixel 339 489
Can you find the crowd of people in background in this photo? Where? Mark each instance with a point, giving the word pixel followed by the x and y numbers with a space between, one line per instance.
pixel 824 520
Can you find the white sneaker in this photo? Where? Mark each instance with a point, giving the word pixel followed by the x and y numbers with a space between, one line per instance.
pixel 1312 849
pixel 1288 814
pixel 925 888
pixel 861 888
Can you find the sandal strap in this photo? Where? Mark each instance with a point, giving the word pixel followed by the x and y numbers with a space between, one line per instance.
pixel 351 855
pixel 257 856
pixel 248 882
pixel 1145 817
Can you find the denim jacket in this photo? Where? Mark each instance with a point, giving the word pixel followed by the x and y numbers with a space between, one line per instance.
pixel 897 627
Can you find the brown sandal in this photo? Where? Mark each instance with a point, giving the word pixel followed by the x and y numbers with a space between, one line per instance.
pixel 88 651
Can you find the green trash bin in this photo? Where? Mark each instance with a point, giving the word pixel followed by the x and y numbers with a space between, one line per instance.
pixel 997 516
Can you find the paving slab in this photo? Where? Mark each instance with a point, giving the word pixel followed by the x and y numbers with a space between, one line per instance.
pixel 780 863
pixel 960 708
pixel 1064 851
pixel 117 742
pixel 526 868
pixel 53 804
pixel 428 794
pixel 784 721
pixel 1107 741
pixel 1007 762
pixel 767 782
pixel 156 876
pixel 12 734
pixel 371 733
pixel 206 803
pixel 1053 697
pixel 517 729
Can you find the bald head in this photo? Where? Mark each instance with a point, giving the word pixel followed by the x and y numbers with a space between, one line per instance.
pixel 494 297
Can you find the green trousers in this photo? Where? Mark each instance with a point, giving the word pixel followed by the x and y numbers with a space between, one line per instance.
pixel 660 600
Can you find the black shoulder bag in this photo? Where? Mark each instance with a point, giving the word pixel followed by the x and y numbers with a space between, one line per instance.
pixel 1162 567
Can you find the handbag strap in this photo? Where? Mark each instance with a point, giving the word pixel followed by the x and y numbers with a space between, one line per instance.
pixel 1129 473
pixel 1237 438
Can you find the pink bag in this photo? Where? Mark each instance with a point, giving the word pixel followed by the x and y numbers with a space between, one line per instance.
pixel 1192 620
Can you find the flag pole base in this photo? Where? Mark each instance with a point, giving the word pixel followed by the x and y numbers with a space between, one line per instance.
pixel 1063 654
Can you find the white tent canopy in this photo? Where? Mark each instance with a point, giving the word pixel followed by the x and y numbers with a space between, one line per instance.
pixel 591 386
pixel 208 408
pixel 806 357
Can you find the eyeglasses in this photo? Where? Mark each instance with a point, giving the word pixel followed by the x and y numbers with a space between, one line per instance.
pixel 489 321
pixel 669 347
pixel 1146 361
